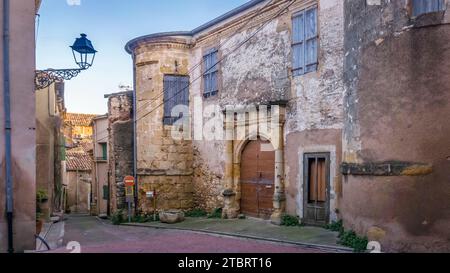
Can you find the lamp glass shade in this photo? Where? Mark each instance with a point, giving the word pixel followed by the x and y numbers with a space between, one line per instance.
pixel 83 52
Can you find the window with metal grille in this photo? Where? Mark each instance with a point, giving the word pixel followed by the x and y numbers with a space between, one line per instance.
pixel 304 41
pixel 176 92
pixel 210 73
pixel 427 6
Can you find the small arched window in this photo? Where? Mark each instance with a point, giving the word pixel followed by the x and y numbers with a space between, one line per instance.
pixel 427 6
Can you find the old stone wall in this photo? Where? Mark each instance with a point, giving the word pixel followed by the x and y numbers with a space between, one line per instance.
pixel 164 163
pixel 397 104
pixel 121 148
pixel 250 73
pixel 255 69
pixel 78 192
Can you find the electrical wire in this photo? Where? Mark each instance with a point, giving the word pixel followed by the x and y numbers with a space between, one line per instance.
pixel 218 62
pixel 223 58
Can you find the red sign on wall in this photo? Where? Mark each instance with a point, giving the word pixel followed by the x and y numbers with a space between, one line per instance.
pixel 129 181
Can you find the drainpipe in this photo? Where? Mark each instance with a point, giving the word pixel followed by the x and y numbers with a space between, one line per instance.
pixel 136 194
pixel 7 108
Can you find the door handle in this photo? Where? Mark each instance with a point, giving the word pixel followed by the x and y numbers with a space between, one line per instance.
pixel 268 187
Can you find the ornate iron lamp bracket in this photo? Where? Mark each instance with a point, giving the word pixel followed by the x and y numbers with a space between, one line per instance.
pixel 44 78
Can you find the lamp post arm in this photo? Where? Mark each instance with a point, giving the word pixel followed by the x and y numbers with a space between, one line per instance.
pixel 44 78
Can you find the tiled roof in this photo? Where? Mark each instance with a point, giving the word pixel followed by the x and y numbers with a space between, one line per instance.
pixel 87 146
pixel 78 160
pixel 79 119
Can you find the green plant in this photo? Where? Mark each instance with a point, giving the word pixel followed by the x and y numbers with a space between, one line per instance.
pixel 336 226
pixel 351 239
pixel 41 196
pixel 153 218
pixel 196 213
pixel 38 216
pixel 118 217
pixel 348 238
pixel 217 213
pixel 290 221
pixel 144 218
pixel 139 219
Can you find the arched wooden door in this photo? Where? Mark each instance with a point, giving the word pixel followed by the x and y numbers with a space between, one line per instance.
pixel 257 179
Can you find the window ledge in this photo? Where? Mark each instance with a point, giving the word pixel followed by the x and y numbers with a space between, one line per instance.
pixel 395 168
pixel 428 19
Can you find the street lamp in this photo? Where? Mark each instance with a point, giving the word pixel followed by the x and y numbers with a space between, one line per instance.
pixel 83 54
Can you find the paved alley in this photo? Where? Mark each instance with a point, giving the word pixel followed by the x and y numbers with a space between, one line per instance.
pixel 98 236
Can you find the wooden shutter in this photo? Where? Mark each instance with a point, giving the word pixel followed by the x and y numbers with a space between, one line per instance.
pixel 214 71
pixel 104 151
pixel 176 92
pixel 304 41
pixel 426 6
pixel 298 50
pixel 311 40
pixel 210 73
pixel 105 193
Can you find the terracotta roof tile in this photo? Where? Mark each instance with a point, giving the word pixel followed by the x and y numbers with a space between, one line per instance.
pixel 79 119
pixel 78 160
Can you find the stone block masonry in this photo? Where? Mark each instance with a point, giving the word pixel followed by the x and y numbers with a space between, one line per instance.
pixel 168 171
pixel 121 139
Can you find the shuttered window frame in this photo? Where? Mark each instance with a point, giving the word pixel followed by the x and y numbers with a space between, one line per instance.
pixel 176 92
pixel 420 7
pixel 210 73
pixel 305 41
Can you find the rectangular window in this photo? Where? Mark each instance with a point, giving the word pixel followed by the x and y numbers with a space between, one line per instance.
pixel 210 73
pixel 176 92
pixel 304 42
pixel 427 6
pixel 104 151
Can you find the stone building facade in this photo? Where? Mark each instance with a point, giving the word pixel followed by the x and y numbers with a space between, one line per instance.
pixel 257 73
pixel 50 144
pixel 120 145
pixel 396 129
pixel 79 187
pixel 100 171
pixel 333 146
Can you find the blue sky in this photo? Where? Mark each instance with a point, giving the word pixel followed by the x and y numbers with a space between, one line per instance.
pixel 110 24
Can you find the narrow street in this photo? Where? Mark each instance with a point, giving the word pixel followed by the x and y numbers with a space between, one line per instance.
pixel 100 236
pixel 238 126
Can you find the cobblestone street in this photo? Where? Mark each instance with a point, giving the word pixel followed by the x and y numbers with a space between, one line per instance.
pixel 96 236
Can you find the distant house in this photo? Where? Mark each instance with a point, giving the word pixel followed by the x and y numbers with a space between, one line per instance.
pixel 78 128
pixel 100 177
pixel 78 180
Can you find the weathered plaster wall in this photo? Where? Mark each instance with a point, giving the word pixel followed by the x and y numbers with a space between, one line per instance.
pixel 49 119
pixel 22 66
pixel 397 102
pixel 78 192
pixel 251 73
pixel 312 141
pixel 120 115
pixel 257 72
pixel 101 168
pixel 315 110
pixel 45 141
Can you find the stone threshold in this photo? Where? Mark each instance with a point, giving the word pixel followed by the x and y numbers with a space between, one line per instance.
pixel 337 249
